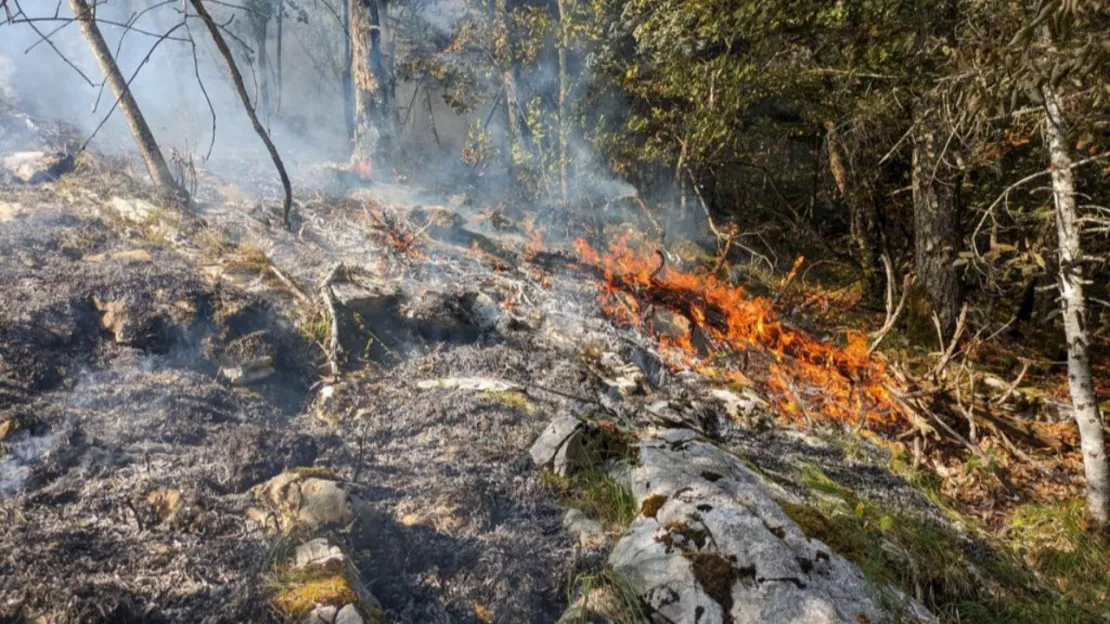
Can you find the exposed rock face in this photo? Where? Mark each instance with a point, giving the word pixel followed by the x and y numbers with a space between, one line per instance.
pixel 711 545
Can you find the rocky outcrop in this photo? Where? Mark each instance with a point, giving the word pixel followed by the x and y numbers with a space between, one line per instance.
pixel 711 545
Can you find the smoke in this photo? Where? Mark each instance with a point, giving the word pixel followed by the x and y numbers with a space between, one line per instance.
pixel 308 120
pixel 305 106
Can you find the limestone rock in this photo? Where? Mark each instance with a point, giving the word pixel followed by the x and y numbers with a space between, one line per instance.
pixel 297 501
pixel 711 546
pixel 590 533
pixel 331 615
pixel 561 445
pixel 134 209
pixel 318 554
pixel 37 167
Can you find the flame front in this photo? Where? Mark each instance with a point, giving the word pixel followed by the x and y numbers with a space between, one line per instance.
pixel 725 332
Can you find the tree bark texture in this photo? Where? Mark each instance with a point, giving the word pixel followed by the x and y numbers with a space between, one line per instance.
pixel 936 222
pixel 564 182
pixel 155 164
pixel 1074 308
pixel 373 119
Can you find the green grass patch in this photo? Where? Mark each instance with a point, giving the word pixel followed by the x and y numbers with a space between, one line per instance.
pixel 607 597
pixel 596 494
pixel 1054 540
pixel 958 581
pixel 514 399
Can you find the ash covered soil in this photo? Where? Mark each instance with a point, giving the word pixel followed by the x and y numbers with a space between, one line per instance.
pixel 170 396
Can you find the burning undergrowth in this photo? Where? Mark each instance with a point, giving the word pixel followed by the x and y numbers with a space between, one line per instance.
pixel 719 329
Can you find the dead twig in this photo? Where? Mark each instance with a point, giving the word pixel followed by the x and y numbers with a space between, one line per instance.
pixel 950 349
pixel 892 311
pixel 334 349
pixel 290 284
pixel 1013 386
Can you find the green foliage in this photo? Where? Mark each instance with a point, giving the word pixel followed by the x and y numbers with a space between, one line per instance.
pixel 957 578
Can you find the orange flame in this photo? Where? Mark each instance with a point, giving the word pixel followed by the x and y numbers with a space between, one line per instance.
pixel 807 377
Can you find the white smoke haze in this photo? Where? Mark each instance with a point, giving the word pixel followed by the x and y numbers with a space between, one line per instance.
pixel 307 116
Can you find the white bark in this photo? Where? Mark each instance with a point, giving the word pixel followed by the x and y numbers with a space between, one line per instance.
pixel 1073 306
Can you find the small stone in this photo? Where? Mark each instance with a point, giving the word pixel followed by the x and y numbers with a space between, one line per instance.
pixel 349 615
pixel 483 311
pixel 552 440
pixel 371 299
pixel 133 209
pixel 318 554
pixel 590 533
pixel 573 455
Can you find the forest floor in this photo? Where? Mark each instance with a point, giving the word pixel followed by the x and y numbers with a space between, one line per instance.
pixel 158 368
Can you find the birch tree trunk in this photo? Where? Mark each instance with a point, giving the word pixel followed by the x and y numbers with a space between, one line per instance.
pixel 1074 308
pixel 148 148
pixel 935 222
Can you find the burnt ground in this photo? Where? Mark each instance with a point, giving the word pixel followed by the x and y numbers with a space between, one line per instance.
pixel 124 486
pixel 127 461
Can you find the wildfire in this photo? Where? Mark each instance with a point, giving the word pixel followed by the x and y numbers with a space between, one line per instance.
pixel 718 328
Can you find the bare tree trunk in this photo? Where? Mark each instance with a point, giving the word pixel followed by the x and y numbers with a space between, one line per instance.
pixel 564 183
pixel 1074 308
pixel 144 138
pixel 259 18
pixel 241 87
pixel 348 86
pixel 279 35
pixel 936 222
pixel 862 219
pixel 508 83
pixel 373 119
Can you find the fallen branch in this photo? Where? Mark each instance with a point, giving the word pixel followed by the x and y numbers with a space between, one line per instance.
pixel 290 284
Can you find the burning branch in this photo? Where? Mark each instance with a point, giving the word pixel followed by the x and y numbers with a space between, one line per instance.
pixel 847 381
pixel 394 235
